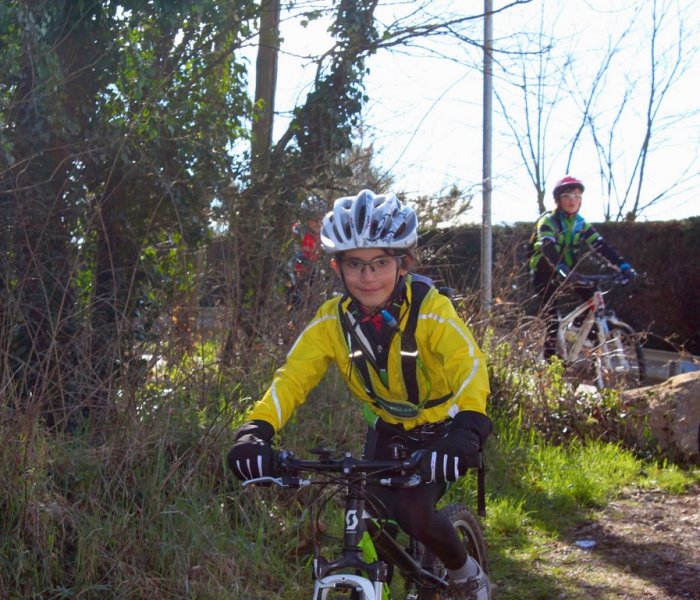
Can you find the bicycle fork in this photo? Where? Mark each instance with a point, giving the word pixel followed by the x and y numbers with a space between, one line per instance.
pixel 371 583
pixel 610 356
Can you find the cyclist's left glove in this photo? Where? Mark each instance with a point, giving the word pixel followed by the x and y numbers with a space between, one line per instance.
pixel 627 271
pixel 451 456
pixel 251 454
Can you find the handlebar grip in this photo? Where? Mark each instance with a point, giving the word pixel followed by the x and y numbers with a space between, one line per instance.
pixel 412 463
pixel 281 460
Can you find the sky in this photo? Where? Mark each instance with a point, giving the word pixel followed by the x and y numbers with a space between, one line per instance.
pixel 424 115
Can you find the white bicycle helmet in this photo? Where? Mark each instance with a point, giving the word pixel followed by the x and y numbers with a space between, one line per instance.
pixel 369 220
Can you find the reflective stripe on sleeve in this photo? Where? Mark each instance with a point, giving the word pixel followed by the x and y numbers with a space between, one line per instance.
pixel 278 405
pixel 469 378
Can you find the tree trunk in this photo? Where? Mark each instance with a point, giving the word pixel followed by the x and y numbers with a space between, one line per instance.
pixel 265 84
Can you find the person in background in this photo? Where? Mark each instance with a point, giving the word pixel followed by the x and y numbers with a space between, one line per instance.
pixel 307 251
pixel 431 399
pixel 560 239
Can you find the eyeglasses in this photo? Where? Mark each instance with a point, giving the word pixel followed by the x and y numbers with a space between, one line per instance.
pixel 572 195
pixel 379 265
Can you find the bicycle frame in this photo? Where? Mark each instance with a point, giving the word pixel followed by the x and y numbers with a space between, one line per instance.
pixel 343 572
pixel 325 572
pixel 595 313
pixel 571 339
pixel 329 575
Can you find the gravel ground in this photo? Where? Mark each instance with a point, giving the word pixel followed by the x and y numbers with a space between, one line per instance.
pixel 641 547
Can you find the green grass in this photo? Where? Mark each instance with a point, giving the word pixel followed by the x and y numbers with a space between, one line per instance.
pixel 143 508
pixel 538 493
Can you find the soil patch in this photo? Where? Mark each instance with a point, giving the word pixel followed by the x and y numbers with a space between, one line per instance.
pixel 643 546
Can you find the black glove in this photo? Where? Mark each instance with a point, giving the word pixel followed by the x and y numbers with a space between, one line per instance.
pixel 571 277
pixel 449 457
pixel 562 270
pixel 579 281
pixel 251 455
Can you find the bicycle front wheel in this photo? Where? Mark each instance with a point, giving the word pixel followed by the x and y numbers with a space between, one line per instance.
pixel 619 361
pixel 472 537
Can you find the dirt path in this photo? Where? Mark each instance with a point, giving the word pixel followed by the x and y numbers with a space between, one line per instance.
pixel 644 546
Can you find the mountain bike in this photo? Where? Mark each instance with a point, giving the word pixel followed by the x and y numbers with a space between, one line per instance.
pixel 593 342
pixel 371 548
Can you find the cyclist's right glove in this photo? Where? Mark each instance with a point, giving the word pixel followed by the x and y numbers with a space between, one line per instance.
pixel 251 455
pixel 563 270
pixel 572 277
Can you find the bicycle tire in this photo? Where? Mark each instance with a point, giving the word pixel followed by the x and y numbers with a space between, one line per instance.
pixel 624 353
pixel 472 536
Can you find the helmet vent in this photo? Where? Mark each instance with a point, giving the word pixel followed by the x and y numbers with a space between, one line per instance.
pixel 369 220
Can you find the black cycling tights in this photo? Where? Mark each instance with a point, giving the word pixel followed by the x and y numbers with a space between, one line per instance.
pixel 414 511
pixel 414 508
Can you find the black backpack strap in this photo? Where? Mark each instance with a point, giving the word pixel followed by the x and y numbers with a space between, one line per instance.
pixel 357 355
pixel 420 286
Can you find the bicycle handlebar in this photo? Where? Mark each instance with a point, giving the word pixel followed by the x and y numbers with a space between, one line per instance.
pixel 347 464
pixel 596 280
pixel 395 472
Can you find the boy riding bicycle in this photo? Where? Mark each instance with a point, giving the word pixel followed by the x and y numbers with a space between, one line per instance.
pixel 558 242
pixel 403 351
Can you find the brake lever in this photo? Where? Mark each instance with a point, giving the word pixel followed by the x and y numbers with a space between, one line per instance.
pixel 286 482
pixel 402 482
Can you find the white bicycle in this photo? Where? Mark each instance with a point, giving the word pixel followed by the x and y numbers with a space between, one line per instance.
pixel 595 344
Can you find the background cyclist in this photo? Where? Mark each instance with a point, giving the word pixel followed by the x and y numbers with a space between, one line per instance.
pixel 372 239
pixel 307 250
pixel 560 239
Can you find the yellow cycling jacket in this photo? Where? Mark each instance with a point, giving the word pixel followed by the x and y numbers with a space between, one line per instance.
pixel 452 361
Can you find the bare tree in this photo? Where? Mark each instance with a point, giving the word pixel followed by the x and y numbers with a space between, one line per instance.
pixel 551 84
pixel 539 78
pixel 666 66
pixel 417 22
pixel 447 207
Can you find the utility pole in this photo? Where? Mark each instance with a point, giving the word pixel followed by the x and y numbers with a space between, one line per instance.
pixel 486 230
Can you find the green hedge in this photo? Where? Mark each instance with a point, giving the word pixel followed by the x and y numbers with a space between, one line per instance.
pixel 665 302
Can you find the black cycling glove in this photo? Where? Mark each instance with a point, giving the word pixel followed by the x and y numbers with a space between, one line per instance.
pixel 572 277
pixel 251 455
pixel 451 456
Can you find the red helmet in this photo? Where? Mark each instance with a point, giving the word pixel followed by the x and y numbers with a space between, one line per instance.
pixel 567 183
